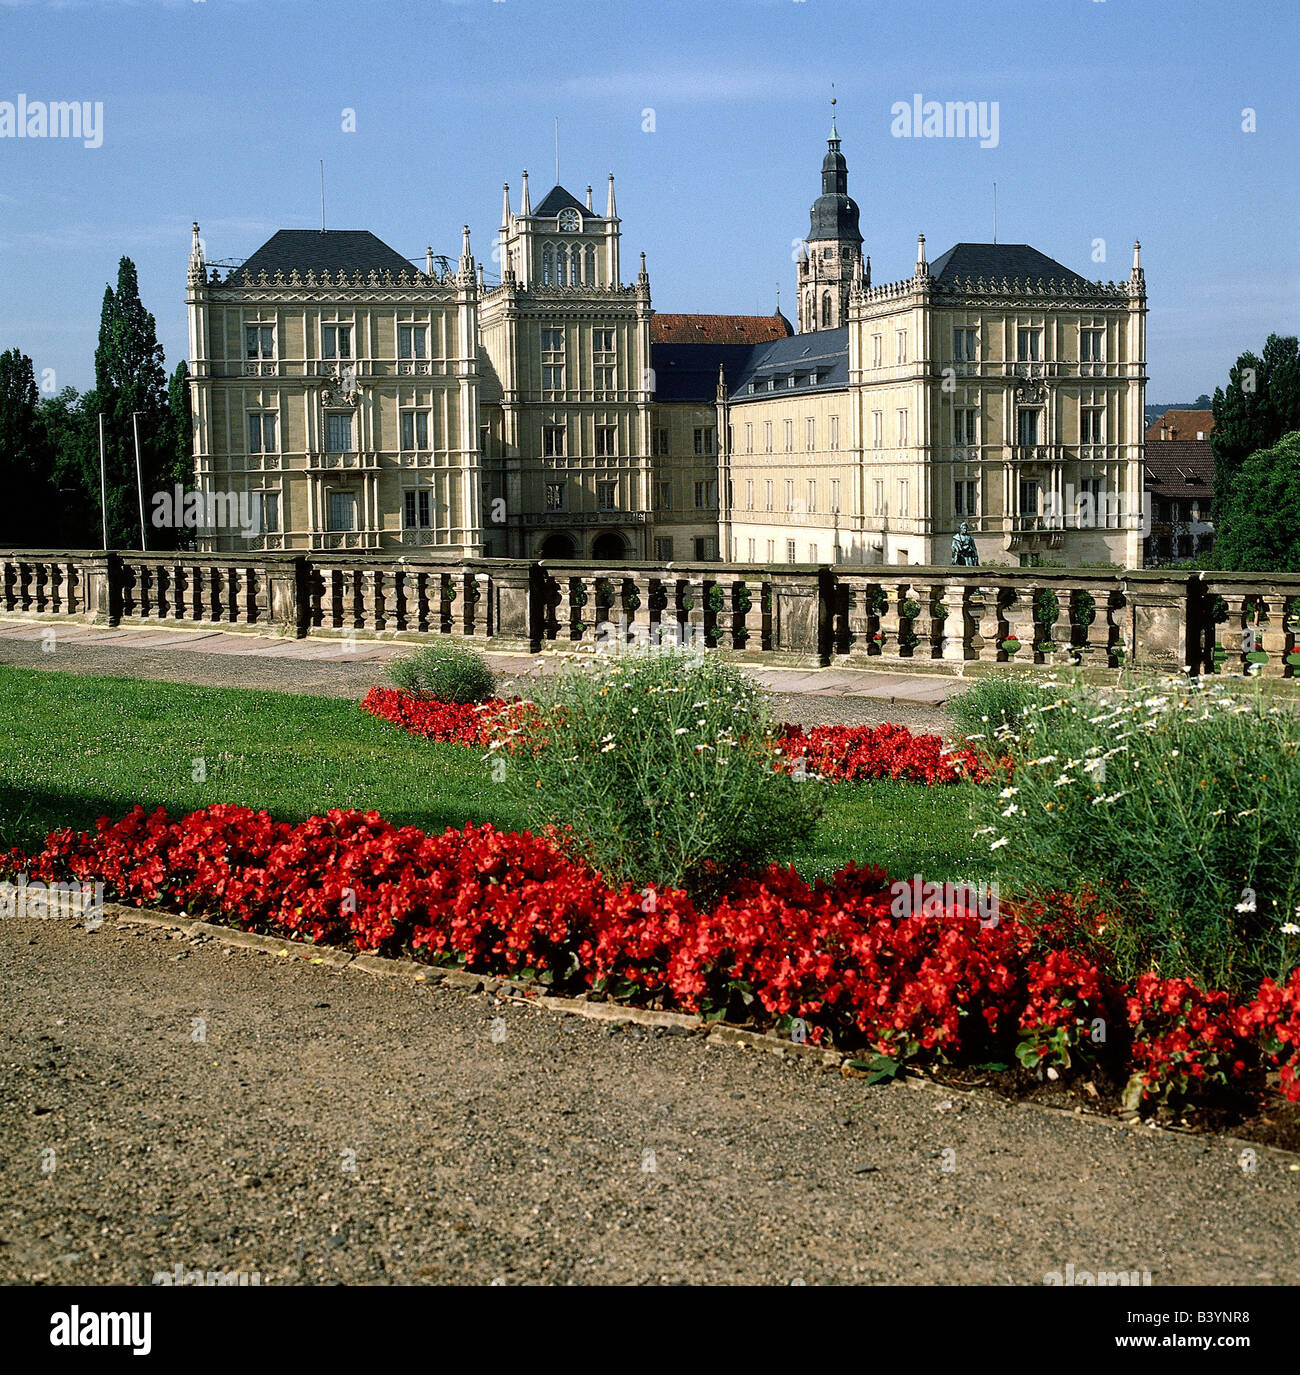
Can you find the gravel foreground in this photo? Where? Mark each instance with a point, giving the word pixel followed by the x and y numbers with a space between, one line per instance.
pixel 319 1125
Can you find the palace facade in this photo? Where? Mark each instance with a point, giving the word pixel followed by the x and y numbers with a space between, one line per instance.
pixel 371 403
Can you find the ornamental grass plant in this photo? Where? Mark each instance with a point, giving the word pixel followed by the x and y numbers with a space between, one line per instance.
pixel 661 761
pixel 1177 803
pixel 444 671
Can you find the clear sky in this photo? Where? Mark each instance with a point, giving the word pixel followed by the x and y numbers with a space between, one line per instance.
pixel 1117 119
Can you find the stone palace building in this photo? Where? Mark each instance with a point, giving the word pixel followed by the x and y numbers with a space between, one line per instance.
pixel 367 402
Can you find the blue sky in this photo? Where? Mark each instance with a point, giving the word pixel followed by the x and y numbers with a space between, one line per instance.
pixel 1116 119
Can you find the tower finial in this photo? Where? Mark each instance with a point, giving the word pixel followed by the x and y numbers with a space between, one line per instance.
pixel 525 203
pixel 611 210
pixel 835 133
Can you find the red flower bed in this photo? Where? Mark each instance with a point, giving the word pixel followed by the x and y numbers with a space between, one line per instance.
pixel 842 753
pixel 830 953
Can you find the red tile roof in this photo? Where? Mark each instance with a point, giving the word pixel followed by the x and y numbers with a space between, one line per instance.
pixel 719 329
pixel 1182 425
pixel 1179 467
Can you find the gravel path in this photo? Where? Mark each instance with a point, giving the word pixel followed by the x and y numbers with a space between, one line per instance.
pixel 525 1159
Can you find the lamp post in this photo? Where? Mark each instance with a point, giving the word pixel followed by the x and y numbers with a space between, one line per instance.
pixel 139 477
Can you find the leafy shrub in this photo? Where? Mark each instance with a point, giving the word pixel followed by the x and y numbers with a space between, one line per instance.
pixel 446 671
pixel 1178 804
pixel 997 701
pixel 661 761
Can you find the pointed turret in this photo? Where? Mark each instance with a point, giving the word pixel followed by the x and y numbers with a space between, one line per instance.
pixel 589 205
pixel 611 210
pixel 505 205
pixel 525 204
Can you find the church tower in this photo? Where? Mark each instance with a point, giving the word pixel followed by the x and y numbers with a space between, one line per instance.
pixel 831 259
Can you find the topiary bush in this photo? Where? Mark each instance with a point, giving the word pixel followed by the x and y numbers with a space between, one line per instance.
pixel 444 670
pixel 660 761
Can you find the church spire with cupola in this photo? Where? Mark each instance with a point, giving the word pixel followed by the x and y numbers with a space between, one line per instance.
pixel 830 258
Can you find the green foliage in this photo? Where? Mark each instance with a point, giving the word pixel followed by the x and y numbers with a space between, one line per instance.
pixel 444 670
pixel 997 702
pixel 909 609
pixel 1178 804
pixel 71 425
pixel 1258 526
pixel 659 761
pixel 27 515
pixel 1260 404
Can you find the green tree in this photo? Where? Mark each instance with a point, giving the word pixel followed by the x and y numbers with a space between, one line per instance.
pixel 1258 528
pixel 1202 402
pixel 71 424
pixel 132 385
pixel 28 510
pixel 182 425
pixel 1260 404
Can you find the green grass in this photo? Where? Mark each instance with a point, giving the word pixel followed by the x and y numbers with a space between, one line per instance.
pixel 78 747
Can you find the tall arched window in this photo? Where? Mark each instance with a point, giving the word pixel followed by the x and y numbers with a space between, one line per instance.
pixel 575 268
pixel 591 265
pixel 561 266
pixel 548 265
pixel 826 310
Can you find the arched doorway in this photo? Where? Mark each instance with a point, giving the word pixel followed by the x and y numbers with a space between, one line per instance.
pixel 608 548
pixel 557 547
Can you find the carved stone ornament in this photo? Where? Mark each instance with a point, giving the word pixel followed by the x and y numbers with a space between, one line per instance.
pixel 340 389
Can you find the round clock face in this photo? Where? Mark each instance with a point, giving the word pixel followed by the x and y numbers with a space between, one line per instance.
pixel 570 221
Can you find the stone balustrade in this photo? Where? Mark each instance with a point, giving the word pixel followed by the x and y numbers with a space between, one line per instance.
pixel 913 619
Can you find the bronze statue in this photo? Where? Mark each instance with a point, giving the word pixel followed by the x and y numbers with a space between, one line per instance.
pixel 964 553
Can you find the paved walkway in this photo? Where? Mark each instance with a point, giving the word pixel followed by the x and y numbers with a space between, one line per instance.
pixel 223 658
pixel 331 1126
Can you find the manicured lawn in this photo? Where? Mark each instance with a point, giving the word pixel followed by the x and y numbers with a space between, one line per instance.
pixel 77 747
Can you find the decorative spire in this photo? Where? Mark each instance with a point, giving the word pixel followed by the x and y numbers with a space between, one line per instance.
pixel 589 206
pixel 834 139
pixel 466 255
pixel 525 205
pixel 428 261
pixel 611 210
pixel 505 204
pixel 643 277
pixel 922 267
pixel 196 244
pixel 1137 254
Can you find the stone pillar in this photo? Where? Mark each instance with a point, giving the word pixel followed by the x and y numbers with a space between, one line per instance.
pixel 1159 622
pixel 796 615
pixel 516 594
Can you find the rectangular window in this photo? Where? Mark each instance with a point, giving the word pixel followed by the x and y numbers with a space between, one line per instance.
pixel 553 441
pixel 789 494
pixel 809 434
pixel 603 377
pixel 602 340
pixel 1029 345
pixel 835 432
pixel 1091 342
pixel 1090 424
pixel 336 341
pixel 606 496
pixel 878 495
pixel 877 429
pixel 904 496
pixel 706 549
pixel 411 341
pixel 415 430
pixel 261 433
pixel 835 496
pixel 415 513
pixel 555 496
pixel 812 553
pixel 552 341
pixel 812 494
pixel 1028 428
pixel 259 341
pixel 665 495
pixel 963 345
pixel 902 428
pixel 900 346
pixel 767 492
pixel 661 443
pixel 606 442
pixel 964 497
pixel 1028 497
pixel 749 494
pixel 706 495
pixel 790 554
pixel 341 511
pixel 749 438
pixel 704 440
pixel 552 377
pixel 877 350
pixel 789 436
pixel 663 549
pixel 771 551
pixel 267 512
pixel 964 426
pixel 767 436
pixel 338 434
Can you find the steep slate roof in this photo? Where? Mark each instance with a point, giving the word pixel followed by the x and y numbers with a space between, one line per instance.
pixel 1179 467
pixel 557 199
pixel 993 261
pixel 689 372
pixel 1184 424
pixel 825 351
pixel 719 329
pixel 325 250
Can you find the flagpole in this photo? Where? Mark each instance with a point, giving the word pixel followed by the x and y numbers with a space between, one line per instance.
pixel 103 489
pixel 139 477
